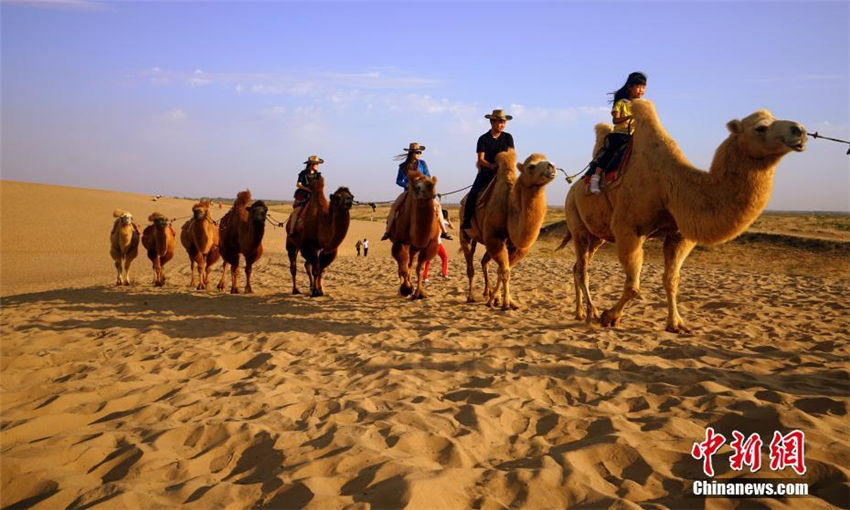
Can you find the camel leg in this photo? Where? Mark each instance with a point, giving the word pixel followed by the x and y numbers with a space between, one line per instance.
pixel 234 276
pixel 249 268
pixel 222 282
pixel 293 269
pixel 311 265
pixel 192 271
pixel 119 262
pixel 157 269
pixel 630 253
pixel 401 253
pixel 488 291
pixel 202 271
pixel 325 260
pixel 419 293
pixel 468 249
pixel 505 276
pixel 585 247
pixel 127 270
pixel 676 249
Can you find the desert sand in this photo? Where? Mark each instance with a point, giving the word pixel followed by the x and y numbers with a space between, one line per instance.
pixel 144 397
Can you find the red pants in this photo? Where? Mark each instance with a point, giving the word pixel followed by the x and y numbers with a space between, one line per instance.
pixel 443 256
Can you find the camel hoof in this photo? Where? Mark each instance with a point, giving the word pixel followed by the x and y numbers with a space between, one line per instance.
pixel 295 291
pixel 608 319
pixel 405 290
pixel 580 316
pixel 234 290
pixel 248 290
pixel 681 329
pixel 470 299
pixel 510 306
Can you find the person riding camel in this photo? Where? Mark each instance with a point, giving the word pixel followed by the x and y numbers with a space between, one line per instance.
pixel 302 192
pixel 411 160
pixel 492 142
pixel 621 114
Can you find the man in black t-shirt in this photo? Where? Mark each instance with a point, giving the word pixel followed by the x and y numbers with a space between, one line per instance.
pixel 492 142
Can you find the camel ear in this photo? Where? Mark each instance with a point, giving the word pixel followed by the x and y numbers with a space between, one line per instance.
pixel 434 180
pixel 735 126
pixel 520 167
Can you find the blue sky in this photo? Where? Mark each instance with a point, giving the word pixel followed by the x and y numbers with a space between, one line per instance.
pixel 204 99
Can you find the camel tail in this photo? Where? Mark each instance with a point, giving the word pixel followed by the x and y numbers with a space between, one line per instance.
pixel 566 240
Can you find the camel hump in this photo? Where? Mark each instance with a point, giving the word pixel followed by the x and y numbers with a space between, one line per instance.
pixel 506 158
pixel 644 109
pixel 243 198
pixel 602 129
pixel 117 213
pixel 156 216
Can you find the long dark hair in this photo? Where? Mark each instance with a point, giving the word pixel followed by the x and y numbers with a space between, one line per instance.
pixel 407 160
pixel 635 78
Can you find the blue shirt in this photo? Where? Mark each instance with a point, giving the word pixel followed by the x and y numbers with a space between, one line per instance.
pixel 401 179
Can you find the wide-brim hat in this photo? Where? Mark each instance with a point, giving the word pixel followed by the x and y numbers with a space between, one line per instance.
pixel 498 114
pixel 414 146
pixel 314 159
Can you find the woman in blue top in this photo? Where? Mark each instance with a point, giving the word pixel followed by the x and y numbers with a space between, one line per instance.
pixel 412 160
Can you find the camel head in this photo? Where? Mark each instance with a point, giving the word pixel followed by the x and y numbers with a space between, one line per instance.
pixel 342 198
pixel 761 135
pixel 536 171
pixel 124 217
pixel 158 219
pixel 423 188
pixel 201 210
pixel 257 212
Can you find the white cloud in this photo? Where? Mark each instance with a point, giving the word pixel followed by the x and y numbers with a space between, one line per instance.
pixel 172 115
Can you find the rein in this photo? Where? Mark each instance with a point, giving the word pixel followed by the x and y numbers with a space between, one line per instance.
pixel 815 135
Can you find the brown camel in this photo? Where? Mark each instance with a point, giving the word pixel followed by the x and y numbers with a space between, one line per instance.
pixel 508 223
pixel 660 194
pixel 324 227
pixel 124 241
pixel 241 230
pixel 158 239
pixel 200 238
pixel 415 231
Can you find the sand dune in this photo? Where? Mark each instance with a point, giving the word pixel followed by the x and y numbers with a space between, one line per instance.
pixel 146 397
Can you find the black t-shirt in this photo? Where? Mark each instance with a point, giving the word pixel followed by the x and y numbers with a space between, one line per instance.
pixel 491 146
pixel 304 179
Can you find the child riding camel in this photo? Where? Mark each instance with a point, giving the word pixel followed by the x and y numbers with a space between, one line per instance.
pixel 621 114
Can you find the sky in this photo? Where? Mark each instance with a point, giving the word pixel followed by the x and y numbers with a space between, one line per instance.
pixel 203 99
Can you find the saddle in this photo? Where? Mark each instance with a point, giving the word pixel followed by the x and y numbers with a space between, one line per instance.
pixel 616 169
pixel 484 196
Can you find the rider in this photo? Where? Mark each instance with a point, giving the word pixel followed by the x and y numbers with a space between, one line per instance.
pixel 302 191
pixel 411 160
pixel 492 142
pixel 621 114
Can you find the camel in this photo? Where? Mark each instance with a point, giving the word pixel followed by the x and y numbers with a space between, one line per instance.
pixel 124 240
pixel 660 194
pixel 415 231
pixel 200 238
pixel 324 228
pixel 508 222
pixel 241 230
pixel 158 239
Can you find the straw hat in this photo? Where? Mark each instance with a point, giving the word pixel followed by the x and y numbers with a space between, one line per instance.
pixel 414 146
pixel 498 114
pixel 314 159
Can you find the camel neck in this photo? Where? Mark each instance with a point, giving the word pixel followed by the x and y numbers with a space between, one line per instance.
pixel 716 206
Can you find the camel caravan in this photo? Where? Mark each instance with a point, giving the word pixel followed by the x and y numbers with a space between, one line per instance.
pixel 655 192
